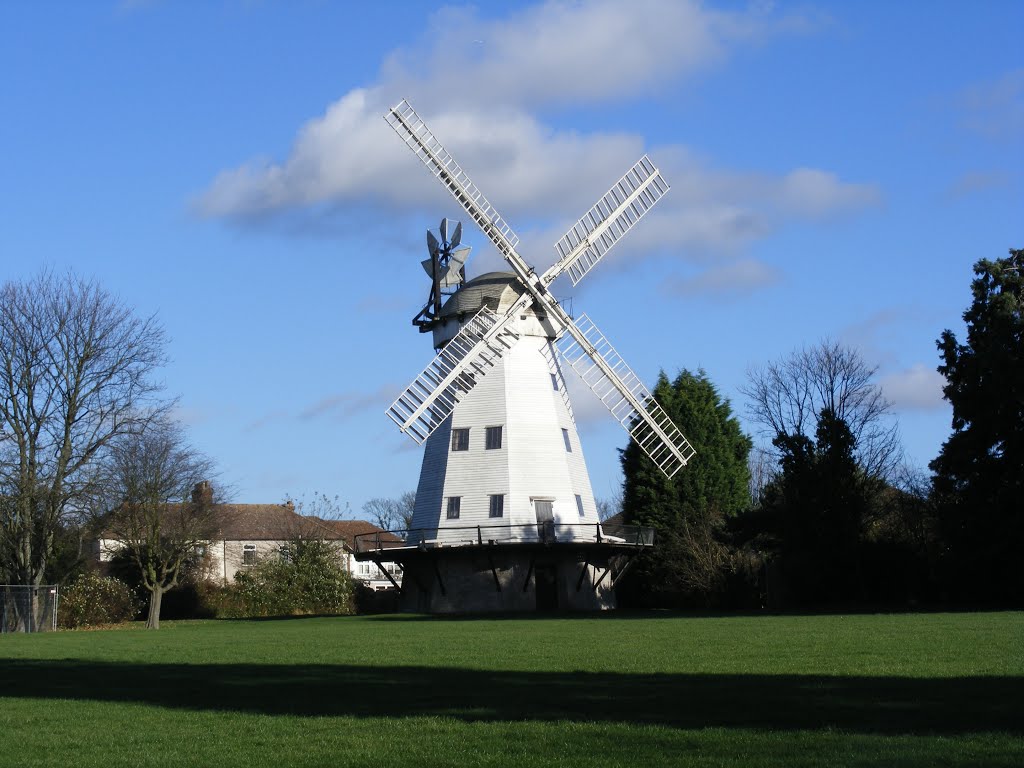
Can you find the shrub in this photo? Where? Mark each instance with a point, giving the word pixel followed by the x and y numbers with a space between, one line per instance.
pixel 94 599
pixel 307 579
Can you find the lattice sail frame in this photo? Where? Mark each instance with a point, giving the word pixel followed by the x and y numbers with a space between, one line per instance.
pixel 621 407
pixel 420 410
pixel 618 211
pixel 435 157
pixel 432 396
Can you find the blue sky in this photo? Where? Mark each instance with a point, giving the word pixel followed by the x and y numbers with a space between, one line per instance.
pixel 836 169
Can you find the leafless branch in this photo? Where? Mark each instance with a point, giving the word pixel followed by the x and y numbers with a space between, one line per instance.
pixel 786 397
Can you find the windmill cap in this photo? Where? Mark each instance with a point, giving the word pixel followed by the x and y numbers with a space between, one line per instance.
pixel 494 290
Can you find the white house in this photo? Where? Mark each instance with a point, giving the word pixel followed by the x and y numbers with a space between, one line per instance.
pixel 246 534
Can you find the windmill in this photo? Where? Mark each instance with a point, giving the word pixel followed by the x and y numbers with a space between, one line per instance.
pixel 494 515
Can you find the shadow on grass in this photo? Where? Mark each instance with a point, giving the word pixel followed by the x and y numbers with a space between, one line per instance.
pixel 893 705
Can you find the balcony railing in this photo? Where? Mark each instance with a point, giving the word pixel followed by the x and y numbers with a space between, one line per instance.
pixel 490 535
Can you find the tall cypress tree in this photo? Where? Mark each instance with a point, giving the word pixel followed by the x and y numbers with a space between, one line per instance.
pixel 689 564
pixel 979 473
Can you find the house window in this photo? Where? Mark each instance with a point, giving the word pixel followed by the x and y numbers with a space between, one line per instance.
pixel 460 439
pixel 554 382
pixel 454 507
pixel 497 508
pixel 493 438
pixel 249 554
pixel 565 437
pixel 579 504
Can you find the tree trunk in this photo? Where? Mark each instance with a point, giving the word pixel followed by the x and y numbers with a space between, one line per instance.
pixel 155 598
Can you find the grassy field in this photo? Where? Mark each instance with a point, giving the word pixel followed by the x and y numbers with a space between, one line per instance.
pixel 893 690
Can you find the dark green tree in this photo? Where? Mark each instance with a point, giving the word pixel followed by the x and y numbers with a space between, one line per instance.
pixel 691 561
pixel 979 472
pixel 817 509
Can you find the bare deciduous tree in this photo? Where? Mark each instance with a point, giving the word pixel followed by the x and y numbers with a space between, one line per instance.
pixel 786 398
pixel 609 506
pixel 75 373
pixel 392 514
pixel 162 510
pixel 762 471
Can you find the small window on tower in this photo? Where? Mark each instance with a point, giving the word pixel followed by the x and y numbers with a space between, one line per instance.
pixel 579 504
pixel 493 438
pixel 454 507
pixel 554 382
pixel 460 439
pixel 565 437
pixel 497 505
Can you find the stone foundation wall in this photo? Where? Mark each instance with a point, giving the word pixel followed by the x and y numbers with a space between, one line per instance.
pixel 469 583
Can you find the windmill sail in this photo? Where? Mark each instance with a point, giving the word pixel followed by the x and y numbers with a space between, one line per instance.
pixel 612 216
pixel 625 396
pixel 435 157
pixel 431 397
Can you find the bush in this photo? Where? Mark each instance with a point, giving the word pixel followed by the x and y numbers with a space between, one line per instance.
pixel 307 579
pixel 94 599
pixel 368 600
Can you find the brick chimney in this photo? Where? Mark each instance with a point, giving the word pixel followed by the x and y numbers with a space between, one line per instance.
pixel 203 493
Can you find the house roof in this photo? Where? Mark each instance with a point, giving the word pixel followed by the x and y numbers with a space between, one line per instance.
pixel 256 521
pixel 349 529
pixel 280 522
pixel 616 519
pixel 274 522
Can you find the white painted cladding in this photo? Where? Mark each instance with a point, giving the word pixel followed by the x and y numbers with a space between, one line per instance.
pixel 532 463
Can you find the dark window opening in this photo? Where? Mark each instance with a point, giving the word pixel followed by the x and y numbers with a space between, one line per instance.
pixel 497 508
pixel 460 439
pixel 493 438
pixel 454 507
pixel 579 504
pixel 565 437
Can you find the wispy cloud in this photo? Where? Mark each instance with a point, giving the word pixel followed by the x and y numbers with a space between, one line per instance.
pixel 727 281
pixel 342 405
pixel 918 388
pixel 975 182
pixel 555 54
pixel 337 406
pixel 995 109
pixel 268 418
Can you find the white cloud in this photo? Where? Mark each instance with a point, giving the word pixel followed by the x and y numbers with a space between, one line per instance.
pixel 995 109
pixel 811 192
pixel 567 53
pixel 735 280
pixel 916 388
pixel 478 98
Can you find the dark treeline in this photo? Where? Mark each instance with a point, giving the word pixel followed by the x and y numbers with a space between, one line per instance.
pixel 828 516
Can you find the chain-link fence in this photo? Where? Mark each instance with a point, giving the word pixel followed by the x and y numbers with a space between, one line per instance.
pixel 28 609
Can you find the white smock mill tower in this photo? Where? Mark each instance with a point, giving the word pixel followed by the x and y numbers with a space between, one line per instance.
pixel 505 517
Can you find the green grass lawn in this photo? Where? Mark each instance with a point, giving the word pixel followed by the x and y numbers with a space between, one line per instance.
pixel 927 689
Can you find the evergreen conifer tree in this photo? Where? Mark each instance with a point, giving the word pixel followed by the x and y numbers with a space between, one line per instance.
pixel 690 562
pixel 979 472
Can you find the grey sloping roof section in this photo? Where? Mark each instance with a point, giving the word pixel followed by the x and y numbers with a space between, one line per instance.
pixel 278 522
pixel 494 290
